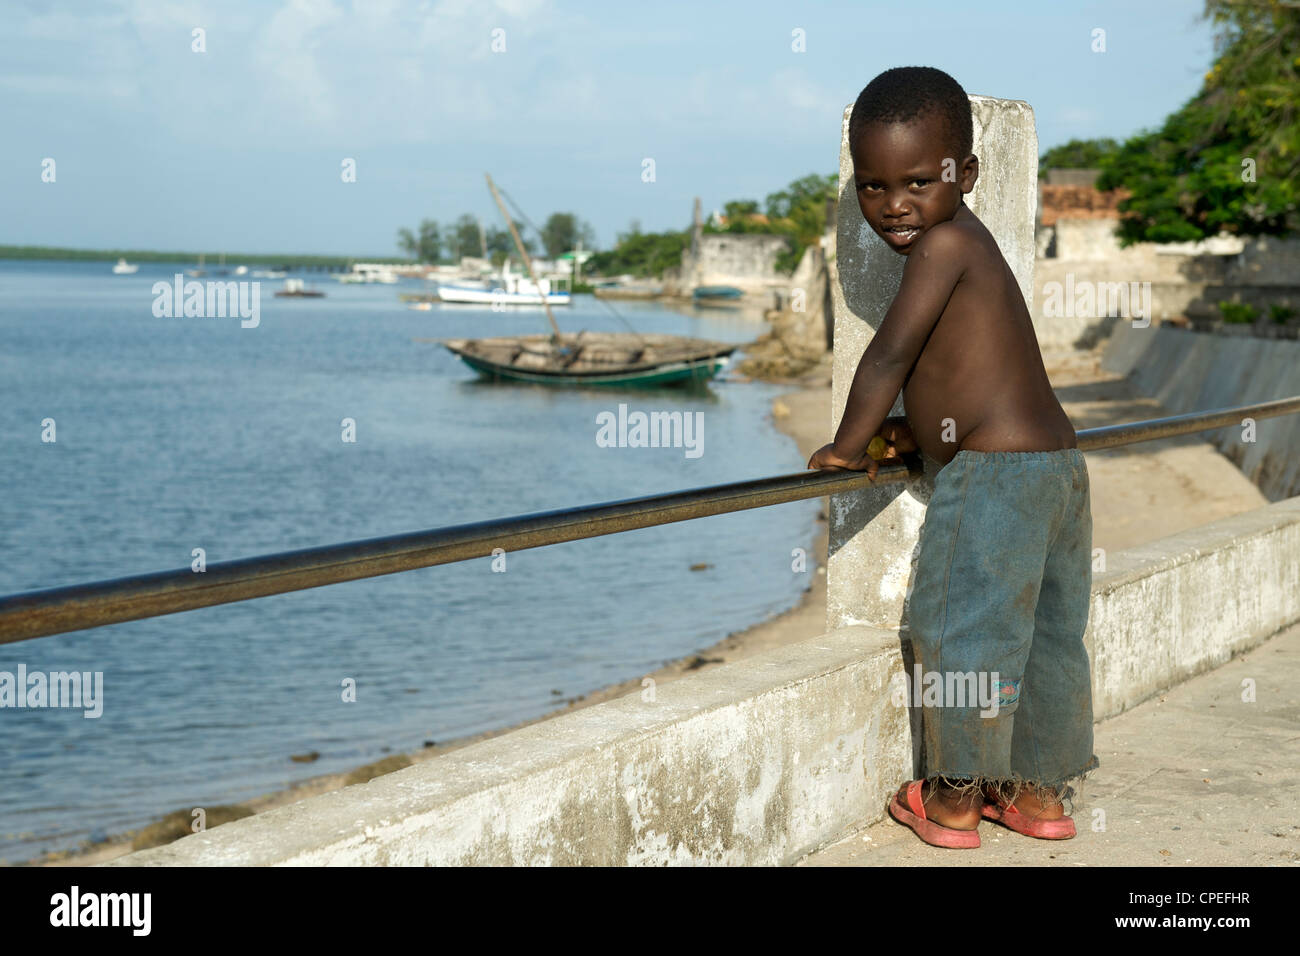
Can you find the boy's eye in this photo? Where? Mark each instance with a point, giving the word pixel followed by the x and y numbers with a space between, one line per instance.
pixel 868 186
pixel 920 182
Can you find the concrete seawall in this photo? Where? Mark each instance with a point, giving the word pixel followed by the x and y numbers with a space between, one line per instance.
pixel 765 759
pixel 1197 371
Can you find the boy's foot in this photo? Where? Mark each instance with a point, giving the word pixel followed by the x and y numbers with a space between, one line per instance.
pixel 1036 812
pixel 939 818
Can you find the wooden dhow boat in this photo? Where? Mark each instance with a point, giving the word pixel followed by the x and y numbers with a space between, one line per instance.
pixel 594 358
pixel 588 358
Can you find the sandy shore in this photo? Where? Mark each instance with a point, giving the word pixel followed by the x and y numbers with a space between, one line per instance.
pixel 1139 494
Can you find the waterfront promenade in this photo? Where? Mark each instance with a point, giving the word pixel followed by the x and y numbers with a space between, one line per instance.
pixel 1194 777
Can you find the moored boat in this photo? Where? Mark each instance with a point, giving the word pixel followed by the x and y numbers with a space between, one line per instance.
pixel 716 294
pixel 124 268
pixel 506 289
pixel 594 358
pixel 295 289
pixel 587 358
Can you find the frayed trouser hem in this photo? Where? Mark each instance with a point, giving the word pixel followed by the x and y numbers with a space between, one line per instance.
pixel 1010 788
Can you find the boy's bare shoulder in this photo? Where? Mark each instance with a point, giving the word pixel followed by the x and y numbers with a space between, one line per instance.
pixel 954 240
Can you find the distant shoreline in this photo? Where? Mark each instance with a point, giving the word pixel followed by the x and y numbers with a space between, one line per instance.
pixel 55 254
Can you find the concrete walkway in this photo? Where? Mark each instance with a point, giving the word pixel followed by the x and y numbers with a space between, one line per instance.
pixel 1194 777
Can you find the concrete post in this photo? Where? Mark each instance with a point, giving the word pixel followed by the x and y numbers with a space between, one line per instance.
pixel 873 533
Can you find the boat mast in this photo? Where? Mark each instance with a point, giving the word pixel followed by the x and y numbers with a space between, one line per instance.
pixel 523 252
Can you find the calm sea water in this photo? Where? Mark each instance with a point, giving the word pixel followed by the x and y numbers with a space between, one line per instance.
pixel 183 433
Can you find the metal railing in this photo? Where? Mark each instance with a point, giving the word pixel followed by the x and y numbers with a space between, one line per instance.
pixel 58 610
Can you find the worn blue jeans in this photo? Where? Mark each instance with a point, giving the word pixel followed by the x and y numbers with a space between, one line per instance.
pixel 1002 589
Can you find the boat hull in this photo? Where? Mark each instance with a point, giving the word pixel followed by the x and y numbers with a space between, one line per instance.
pixel 601 359
pixel 678 373
pixel 467 296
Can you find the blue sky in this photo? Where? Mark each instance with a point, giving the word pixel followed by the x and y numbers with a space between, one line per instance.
pixel 240 147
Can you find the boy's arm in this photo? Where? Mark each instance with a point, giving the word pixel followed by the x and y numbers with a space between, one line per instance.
pixel 929 277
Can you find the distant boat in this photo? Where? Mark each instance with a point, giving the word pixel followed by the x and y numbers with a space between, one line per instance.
pixel 367 274
pixel 196 273
pixel 241 270
pixel 717 293
pixel 124 268
pixel 268 274
pixel 221 267
pixel 506 289
pixel 594 358
pixel 421 306
pixel 294 289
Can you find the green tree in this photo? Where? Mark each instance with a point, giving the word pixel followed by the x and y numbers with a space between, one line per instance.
pixel 633 230
pixel 802 192
pixel 797 212
pixel 1076 154
pixel 427 247
pixel 562 232
pixel 1228 160
pixel 501 246
pixel 738 210
pixel 640 254
pixel 463 238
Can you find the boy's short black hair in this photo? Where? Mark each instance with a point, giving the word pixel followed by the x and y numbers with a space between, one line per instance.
pixel 907 93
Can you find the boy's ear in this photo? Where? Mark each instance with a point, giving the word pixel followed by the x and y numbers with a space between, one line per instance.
pixel 970 173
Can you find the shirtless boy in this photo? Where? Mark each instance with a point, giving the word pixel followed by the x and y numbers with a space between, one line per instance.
pixel 1004 569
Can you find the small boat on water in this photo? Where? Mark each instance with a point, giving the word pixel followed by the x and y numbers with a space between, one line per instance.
pixel 508 289
pixel 268 274
pixel 124 268
pixel 198 272
pixel 594 358
pixel 717 295
pixel 295 289
pixel 365 274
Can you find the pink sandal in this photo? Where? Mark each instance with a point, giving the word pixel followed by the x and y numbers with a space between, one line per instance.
pixel 1009 816
pixel 913 815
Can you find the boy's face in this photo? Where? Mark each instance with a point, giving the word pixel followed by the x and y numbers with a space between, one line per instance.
pixel 899 172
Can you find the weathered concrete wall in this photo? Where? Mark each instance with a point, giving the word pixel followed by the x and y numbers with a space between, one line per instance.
pixel 745 260
pixel 873 533
pixel 765 759
pixel 1195 371
pixel 753 763
pixel 1061 176
pixel 1166 611
pixel 799 333
pixel 1186 279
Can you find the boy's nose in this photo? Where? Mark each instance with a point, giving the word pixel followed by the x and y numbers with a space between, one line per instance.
pixel 896 204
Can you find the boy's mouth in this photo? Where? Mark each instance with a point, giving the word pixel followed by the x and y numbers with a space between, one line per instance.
pixel 901 234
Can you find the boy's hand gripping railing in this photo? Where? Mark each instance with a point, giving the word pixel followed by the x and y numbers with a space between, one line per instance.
pixel 57 610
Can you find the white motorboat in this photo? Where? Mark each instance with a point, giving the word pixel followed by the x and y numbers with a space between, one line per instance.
pixel 366 273
pixel 508 289
pixel 124 268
